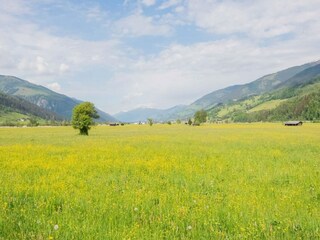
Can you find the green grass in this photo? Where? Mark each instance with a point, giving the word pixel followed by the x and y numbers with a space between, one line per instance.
pixel 11 116
pixel 28 91
pixel 243 105
pixel 233 181
pixel 228 109
pixel 268 105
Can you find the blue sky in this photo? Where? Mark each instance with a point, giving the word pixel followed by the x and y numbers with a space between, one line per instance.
pixel 124 54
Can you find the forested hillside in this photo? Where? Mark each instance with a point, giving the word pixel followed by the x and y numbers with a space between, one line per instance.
pixel 234 98
pixel 301 102
pixel 43 97
pixel 14 109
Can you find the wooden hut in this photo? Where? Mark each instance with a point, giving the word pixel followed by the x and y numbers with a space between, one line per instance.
pixel 293 123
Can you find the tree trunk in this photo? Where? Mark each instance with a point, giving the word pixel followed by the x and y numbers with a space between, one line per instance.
pixel 84 131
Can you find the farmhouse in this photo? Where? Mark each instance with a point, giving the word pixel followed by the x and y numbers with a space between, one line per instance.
pixel 293 123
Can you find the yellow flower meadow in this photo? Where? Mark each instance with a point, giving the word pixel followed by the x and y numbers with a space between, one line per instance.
pixel 235 181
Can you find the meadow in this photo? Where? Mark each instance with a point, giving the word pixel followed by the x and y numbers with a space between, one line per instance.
pixel 228 181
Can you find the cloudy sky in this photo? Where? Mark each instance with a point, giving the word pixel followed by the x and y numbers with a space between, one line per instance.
pixel 124 54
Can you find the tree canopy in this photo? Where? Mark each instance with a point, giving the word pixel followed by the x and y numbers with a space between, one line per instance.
pixel 150 121
pixel 82 117
pixel 200 116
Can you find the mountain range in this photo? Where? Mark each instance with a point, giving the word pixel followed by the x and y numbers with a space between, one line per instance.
pixel 283 79
pixel 14 109
pixel 56 103
pixel 23 98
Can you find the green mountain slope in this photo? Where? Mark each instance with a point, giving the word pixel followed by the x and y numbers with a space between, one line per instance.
pixel 241 98
pixel 303 77
pixel 227 96
pixel 14 108
pixel 257 87
pixel 60 104
pixel 9 117
pixel 301 101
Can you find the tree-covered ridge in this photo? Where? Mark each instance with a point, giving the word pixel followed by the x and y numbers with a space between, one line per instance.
pixel 287 78
pixel 43 97
pixel 15 104
pixel 301 102
pixel 302 108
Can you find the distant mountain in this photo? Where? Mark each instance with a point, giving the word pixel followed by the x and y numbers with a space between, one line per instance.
pixel 141 114
pixel 299 102
pixel 18 105
pixel 282 79
pixel 262 85
pixel 43 97
pixel 302 77
pixel 137 115
pixel 291 78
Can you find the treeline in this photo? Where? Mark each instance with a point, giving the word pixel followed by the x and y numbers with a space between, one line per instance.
pixel 10 103
pixel 32 121
pixel 306 107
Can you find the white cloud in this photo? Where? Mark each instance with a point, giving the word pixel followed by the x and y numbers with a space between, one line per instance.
pixel 179 9
pixel 16 7
pixel 63 68
pixel 49 55
pixel 148 2
pixel 169 3
pixel 54 86
pixel 137 25
pixel 41 65
pixel 38 64
pixel 260 19
pixel 182 74
pixel 43 57
pixel 255 38
pixel 132 95
pixel 95 14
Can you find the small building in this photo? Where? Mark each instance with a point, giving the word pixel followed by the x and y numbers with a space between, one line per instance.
pixel 293 123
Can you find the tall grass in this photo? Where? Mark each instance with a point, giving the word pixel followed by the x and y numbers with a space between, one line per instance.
pixel 236 181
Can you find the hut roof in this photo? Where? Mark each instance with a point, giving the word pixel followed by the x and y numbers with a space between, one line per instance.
pixel 293 122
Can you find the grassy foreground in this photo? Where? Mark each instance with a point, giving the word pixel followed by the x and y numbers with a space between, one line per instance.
pixel 249 181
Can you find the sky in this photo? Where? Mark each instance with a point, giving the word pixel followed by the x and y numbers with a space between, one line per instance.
pixel 126 54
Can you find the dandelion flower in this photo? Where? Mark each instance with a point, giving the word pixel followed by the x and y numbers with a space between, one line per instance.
pixel 56 227
pixel 135 209
pixel 189 227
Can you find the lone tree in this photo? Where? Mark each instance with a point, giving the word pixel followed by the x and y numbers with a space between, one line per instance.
pixel 200 116
pixel 150 121
pixel 82 117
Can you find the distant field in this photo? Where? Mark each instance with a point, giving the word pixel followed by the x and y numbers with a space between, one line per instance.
pixel 235 181
pixel 14 118
pixel 268 105
pixel 11 116
pixel 237 106
pixel 228 109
